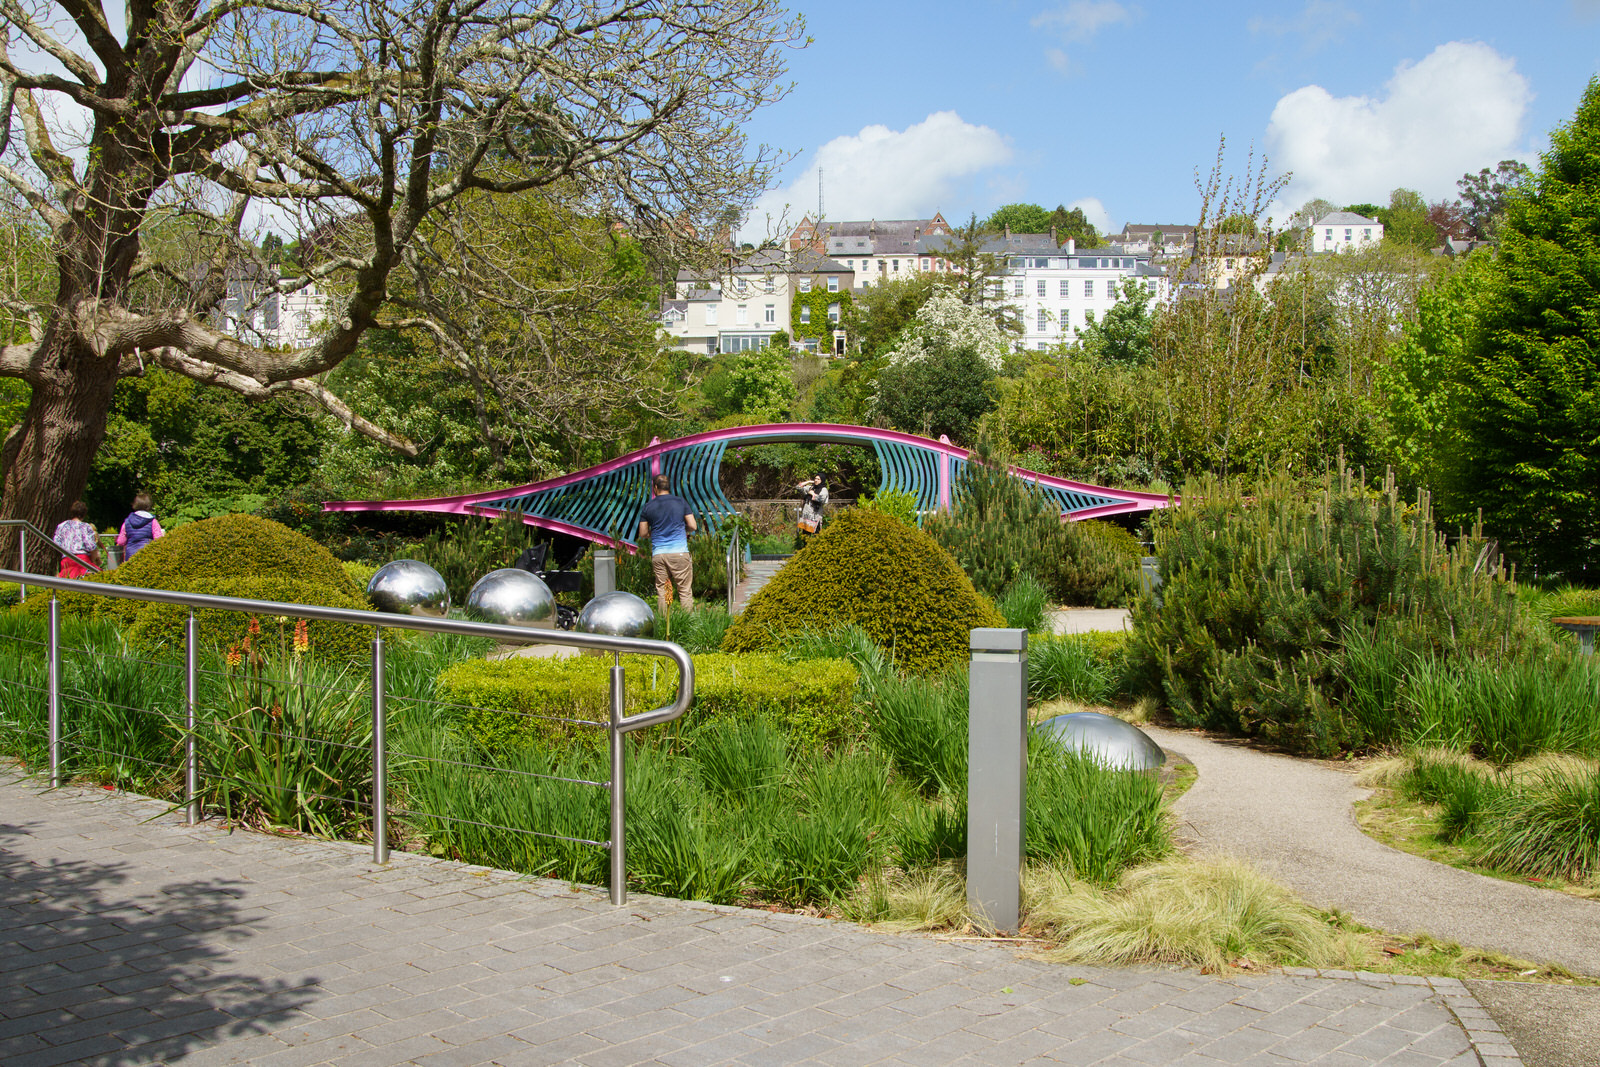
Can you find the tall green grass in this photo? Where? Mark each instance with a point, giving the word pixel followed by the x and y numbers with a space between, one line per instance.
pixel 1070 667
pixel 1548 829
pixel 1025 604
pixel 1096 821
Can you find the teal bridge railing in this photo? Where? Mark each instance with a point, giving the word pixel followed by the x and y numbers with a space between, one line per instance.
pixel 606 499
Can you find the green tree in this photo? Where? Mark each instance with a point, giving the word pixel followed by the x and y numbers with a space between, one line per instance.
pixel 884 310
pixel 757 385
pixel 1405 221
pixel 1123 336
pixel 943 392
pixel 1367 211
pixel 978 272
pixel 358 119
pixel 1019 218
pixel 1527 409
pixel 1076 225
pixel 1486 194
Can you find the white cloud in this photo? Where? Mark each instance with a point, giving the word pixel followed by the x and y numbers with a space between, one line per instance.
pixel 1095 212
pixel 1459 109
pixel 881 173
pixel 1077 21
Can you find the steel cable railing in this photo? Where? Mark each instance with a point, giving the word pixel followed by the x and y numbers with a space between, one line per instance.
pixel 185 724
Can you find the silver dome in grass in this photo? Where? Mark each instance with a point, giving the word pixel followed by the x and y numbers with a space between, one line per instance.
pixel 409 587
pixel 512 597
pixel 1108 740
pixel 618 614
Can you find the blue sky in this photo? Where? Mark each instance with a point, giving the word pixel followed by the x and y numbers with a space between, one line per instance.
pixel 1111 105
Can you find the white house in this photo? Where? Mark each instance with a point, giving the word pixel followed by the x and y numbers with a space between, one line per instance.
pixel 1056 292
pixel 741 309
pixel 1342 231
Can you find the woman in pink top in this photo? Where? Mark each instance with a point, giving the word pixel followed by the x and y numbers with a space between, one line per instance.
pixel 139 528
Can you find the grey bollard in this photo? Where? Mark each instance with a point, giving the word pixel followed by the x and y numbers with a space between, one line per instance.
pixel 605 571
pixel 997 776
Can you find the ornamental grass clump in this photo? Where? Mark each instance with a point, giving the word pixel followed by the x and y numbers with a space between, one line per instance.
pixel 890 579
pixel 1548 829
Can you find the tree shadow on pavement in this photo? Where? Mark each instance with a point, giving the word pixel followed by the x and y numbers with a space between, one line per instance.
pixel 92 970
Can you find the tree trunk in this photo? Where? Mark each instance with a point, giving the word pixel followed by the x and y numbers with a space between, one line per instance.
pixel 48 455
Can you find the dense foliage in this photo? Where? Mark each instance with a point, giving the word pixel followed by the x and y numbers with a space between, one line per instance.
pixel 1266 604
pixel 1527 389
pixel 1003 529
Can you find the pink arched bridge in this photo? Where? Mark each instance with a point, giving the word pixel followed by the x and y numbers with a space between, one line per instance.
pixel 602 504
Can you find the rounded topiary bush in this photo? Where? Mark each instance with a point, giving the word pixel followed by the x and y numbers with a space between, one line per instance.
pixel 231 555
pixel 892 580
pixel 229 546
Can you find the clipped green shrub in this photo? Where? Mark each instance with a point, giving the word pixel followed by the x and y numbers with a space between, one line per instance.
pixel 158 626
pixel 1276 605
pixel 525 700
pixel 228 546
pixel 893 581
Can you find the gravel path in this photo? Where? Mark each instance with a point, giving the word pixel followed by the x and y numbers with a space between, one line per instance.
pixel 1294 819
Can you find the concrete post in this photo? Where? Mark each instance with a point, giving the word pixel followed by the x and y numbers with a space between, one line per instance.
pixel 997 778
pixel 605 570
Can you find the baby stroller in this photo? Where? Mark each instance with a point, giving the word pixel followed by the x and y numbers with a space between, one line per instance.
pixel 533 560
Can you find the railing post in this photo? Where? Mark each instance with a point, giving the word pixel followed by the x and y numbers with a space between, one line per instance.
pixel 54 696
pixel 619 757
pixel 191 642
pixel 605 571
pixel 380 768
pixel 997 775
pixel 22 561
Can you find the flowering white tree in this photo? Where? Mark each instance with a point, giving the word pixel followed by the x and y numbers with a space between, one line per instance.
pixel 944 323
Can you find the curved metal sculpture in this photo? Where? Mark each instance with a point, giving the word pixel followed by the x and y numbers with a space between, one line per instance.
pixel 602 504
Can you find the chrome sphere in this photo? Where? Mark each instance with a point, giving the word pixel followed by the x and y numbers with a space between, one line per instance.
pixel 618 614
pixel 1110 741
pixel 513 597
pixel 409 587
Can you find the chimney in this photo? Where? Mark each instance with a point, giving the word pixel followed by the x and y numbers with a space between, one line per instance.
pixel 1072 246
pixel 1053 237
pixel 1008 233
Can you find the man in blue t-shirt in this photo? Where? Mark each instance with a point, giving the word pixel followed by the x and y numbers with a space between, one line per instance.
pixel 668 522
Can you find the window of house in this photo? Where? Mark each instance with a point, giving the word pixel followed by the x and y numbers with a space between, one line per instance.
pixel 740 284
pixel 711 314
pixel 1039 287
pixel 924 262
pixel 742 315
pixel 897 266
pixel 1229 263
pixel 1043 346
pixel 1065 319
pixel 833 313
pixel 881 266
pixel 772 313
pixel 1328 236
pixel 1016 287
pixel 1044 320
pixel 805 313
pixel 1366 234
pixel 805 285
pixel 833 284
pixel 1041 263
pixel 1088 288
pixel 1151 285
pixel 1066 287
pixel 1347 235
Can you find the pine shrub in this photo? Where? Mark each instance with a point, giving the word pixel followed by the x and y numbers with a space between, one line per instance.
pixel 893 581
pixel 1002 529
pixel 1271 606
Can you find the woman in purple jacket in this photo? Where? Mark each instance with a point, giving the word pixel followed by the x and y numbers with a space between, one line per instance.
pixel 139 528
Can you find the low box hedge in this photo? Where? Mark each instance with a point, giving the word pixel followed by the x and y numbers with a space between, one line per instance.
pixel 525 700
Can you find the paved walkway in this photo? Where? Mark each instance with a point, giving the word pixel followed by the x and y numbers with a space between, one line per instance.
pixel 128 938
pixel 757 573
pixel 1295 820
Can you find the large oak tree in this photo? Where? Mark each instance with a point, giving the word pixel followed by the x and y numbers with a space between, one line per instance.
pixel 147 151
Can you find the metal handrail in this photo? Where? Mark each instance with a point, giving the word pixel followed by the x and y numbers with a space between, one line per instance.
pixel 619 724
pixel 23 528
